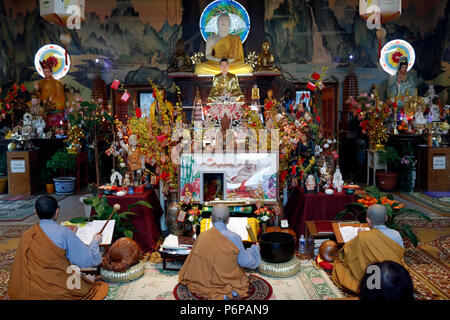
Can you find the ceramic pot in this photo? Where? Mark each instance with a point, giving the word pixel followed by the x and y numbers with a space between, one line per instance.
pixel 65 185
pixel 387 181
pixel 87 209
pixel 172 213
pixel 277 247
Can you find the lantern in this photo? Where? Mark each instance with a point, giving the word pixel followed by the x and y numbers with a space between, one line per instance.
pixel 379 11
pixel 67 13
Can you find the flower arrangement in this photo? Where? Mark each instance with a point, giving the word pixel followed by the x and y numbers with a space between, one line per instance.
pixel 194 216
pixel 394 209
pixel 372 114
pixel 263 214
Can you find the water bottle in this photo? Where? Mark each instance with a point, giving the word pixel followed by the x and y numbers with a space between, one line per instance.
pixel 301 245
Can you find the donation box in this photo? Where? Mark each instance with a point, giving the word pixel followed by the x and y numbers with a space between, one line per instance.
pixel 22 172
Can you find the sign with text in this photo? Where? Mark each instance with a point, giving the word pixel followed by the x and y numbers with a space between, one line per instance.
pixel 439 163
pixel 18 166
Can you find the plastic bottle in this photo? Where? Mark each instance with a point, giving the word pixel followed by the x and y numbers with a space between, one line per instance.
pixel 301 245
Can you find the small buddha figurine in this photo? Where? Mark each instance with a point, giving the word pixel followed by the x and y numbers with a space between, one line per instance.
pixel 324 174
pixel 51 91
pixel 270 105
pixel 434 111
pixel 255 95
pixel 197 112
pixel 180 61
pixel 225 83
pixel 223 45
pixel 419 118
pixel 136 159
pixel 126 181
pixel 39 126
pixel 27 128
pixel 338 182
pixel 266 60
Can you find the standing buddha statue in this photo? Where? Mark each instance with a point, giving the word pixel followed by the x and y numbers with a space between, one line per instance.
pixel 51 92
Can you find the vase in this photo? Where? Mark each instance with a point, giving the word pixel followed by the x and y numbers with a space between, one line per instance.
pixel 64 185
pixel 263 228
pixel 173 210
pixel 386 181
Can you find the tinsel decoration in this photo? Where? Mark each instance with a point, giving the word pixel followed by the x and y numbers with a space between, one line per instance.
pixel 74 137
pixel 197 58
pixel 252 59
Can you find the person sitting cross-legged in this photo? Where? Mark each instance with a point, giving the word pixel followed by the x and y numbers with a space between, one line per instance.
pixel 215 267
pixel 379 244
pixel 42 267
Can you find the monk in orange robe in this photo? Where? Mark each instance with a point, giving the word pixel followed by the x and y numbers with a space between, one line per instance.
pixel 41 268
pixel 368 247
pixel 215 267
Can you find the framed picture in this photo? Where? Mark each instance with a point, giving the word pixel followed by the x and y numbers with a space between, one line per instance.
pixel 212 186
pixel 311 183
pixel 242 174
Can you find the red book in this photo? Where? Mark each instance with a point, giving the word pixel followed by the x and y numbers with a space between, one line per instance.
pixel 323 226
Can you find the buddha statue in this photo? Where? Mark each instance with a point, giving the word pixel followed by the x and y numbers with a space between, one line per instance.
pixel 180 61
pixel 136 158
pixel 223 45
pixel 225 83
pixel 51 92
pixel 266 61
pixel 156 109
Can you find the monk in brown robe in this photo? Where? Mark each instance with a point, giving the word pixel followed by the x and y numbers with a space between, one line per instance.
pixel 215 267
pixel 43 270
pixel 368 247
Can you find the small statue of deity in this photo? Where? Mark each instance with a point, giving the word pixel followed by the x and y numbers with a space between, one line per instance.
pixel 126 181
pixel 255 95
pixel 161 105
pixel 266 60
pixel 324 174
pixel 270 106
pixel 338 182
pixel 136 159
pixel 419 118
pixel 434 111
pixel 225 83
pixel 51 92
pixel 39 125
pixel 180 61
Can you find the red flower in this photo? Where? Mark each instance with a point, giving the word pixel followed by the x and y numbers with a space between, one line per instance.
pixel 318 118
pixel 22 87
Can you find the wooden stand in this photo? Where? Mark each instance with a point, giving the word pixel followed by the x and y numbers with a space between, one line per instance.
pixel 433 168
pixel 22 172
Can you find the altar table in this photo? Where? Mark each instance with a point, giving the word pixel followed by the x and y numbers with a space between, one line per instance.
pixel 303 207
pixel 146 221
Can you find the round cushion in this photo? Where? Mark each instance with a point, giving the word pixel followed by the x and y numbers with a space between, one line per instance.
pixel 281 270
pixel 132 273
pixel 328 250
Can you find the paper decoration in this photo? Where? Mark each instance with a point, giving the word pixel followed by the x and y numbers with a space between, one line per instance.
pixel 138 112
pixel 311 86
pixel 315 76
pixel 181 216
pixel 125 97
pixel 320 85
pixel 110 151
pixel 115 84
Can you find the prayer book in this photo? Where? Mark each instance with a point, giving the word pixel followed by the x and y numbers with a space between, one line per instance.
pixel 349 232
pixel 87 231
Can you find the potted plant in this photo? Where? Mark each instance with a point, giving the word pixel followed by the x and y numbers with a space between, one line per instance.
pixel 394 209
pixel 93 193
pixel 387 181
pixel 3 174
pixel 63 161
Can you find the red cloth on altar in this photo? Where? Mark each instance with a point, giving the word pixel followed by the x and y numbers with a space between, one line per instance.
pixel 146 221
pixel 303 207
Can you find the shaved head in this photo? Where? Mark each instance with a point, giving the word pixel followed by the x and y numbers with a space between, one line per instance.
pixel 220 213
pixel 377 214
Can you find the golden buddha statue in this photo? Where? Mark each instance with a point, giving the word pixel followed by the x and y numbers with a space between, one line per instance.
pixel 225 83
pixel 266 60
pixel 156 108
pixel 223 45
pixel 51 92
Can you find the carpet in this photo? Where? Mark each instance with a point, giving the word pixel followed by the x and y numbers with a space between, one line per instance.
pixel 438 205
pixel 156 284
pixel 437 194
pixel 259 289
pixel 21 208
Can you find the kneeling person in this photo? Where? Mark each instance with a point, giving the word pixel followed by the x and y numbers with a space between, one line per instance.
pixel 215 267
pixel 45 251
pixel 368 247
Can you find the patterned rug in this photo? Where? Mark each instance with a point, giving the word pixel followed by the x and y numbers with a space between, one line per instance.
pixel 259 289
pixel 156 284
pixel 20 209
pixel 438 205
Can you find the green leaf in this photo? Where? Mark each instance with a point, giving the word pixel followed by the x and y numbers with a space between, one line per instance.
pixel 79 220
pixel 406 231
pixel 140 203
pixel 128 234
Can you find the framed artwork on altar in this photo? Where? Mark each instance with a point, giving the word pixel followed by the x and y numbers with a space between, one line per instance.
pixel 243 173
pixel 212 186
pixel 311 183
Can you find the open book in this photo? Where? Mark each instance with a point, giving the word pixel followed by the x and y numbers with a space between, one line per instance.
pixel 237 225
pixel 349 232
pixel 86 232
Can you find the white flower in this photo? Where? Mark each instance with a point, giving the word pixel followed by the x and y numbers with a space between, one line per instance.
pixel 191 218
pixel 326 145
pixel 265 218
pixel 334 140
pixel 329 141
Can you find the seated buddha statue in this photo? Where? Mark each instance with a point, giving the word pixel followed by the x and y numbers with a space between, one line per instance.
pixel 180 61
pixel 266 60
pixel 225 83
pixel 51 92
pixel 223 45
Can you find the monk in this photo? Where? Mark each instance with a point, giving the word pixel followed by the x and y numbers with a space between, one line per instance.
pixel 225 83
pixel 45 253
pixel 368 247
pixel 215 267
